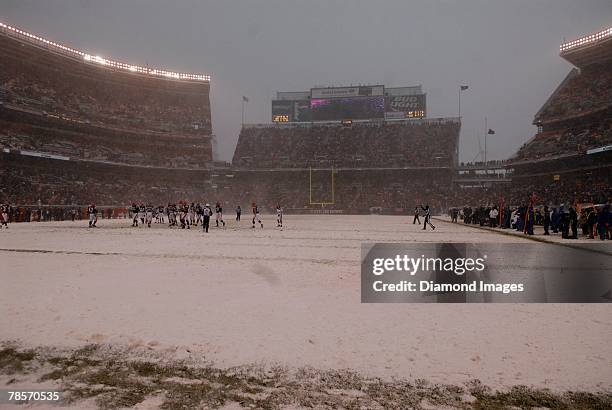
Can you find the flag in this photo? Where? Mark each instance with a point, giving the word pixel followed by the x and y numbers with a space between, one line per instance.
pixel 491 132
pixel 464 87
pixel 245 99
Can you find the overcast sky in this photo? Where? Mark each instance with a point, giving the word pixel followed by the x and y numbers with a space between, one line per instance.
pixel 505 50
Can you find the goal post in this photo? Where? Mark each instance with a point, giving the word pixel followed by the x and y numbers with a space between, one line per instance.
pixel 321 186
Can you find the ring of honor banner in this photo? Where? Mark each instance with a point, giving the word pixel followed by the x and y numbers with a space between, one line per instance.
pixel 486 273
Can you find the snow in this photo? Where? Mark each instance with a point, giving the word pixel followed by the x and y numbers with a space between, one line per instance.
pixel 238 296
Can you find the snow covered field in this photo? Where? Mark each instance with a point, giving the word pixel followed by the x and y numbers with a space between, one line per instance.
pixel 238 296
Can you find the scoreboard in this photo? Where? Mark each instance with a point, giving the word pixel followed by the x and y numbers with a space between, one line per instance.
pixel 281 111
pixel 291 111
pixel 405 106
pixel 349 103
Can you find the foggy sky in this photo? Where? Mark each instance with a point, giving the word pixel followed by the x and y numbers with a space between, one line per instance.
pixel 506 51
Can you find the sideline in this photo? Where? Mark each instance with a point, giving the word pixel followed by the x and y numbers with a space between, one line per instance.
pixel 528 237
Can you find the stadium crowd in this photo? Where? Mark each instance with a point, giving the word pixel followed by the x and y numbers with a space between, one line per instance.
pixel 585 92
pixel 30 180
pixel 378 145
pixel 580 186
pixel 36 79
pixel 44 134
pixel 576 140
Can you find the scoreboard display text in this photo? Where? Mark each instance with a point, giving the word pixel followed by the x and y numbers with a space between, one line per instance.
pixel 406 106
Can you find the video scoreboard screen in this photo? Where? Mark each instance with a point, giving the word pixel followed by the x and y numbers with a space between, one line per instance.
pixel 281 111
pixel 349 103
pixel 353 108
pixel 291 111
pixel 405 106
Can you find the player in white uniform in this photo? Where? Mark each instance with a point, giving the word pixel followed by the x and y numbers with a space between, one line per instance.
pixel 279 216
pixel 206 213
pixel 142 213
pixel 149 214
pixel 192 214
pixel 4 215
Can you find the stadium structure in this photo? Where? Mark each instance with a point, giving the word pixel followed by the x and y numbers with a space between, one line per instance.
pixel 570 157
pixel 77 128
pixel 80 128
pixel 354 149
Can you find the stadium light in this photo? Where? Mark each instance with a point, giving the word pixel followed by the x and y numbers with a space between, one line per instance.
pixel 591 38
pixel 24 35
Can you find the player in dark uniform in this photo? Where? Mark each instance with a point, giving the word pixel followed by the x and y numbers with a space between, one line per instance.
pixel 199 212
pixel 454 215
pixel 427 217
pixel 238 213
pixel 416 216
pixel 134 212
pixel 159 215
pixel 93 215
pixel 219 214
pixel 141 213
pixel 172 214
pixel 184 215
pixel 256 216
